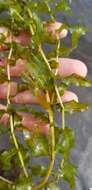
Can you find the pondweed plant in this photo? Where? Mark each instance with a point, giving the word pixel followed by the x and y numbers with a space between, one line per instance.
pixel 32 74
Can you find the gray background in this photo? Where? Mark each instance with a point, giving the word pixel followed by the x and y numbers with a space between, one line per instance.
pixel 82 122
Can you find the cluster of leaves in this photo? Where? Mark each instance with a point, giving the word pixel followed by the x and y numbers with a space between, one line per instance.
pixel 25 15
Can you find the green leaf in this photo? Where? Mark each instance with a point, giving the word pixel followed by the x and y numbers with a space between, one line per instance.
pixel 24 184
pixel 68 172
pixel 77 32
pixel 73 106
pixel 38 28
pixel 38 145
pixel 6 158
pixel 53 64
pixel 15 10
pixel 63 6
pixel 26 108
pixel 66 141
pixel 40 73
pixel 39 170
pixel 63 52
pixel 77 81
pixel 4 4
pixel 3 78
pixel 37 6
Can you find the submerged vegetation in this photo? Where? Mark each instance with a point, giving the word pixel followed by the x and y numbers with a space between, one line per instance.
pixel 29 69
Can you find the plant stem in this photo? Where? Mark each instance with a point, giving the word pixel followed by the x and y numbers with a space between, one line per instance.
pixel 11 116
pixel 62 106
pixel 6 180
pixel 58 95
pixel 52 138
pixel 52 132
pixel 31 28
pixel 50 110
pixel 57 92
pixel 17 146
pixel 57 50
pixel 57 53
pixel 44 57
pixel 56 88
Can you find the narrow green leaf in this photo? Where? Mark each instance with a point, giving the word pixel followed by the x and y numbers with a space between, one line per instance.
pixel 38 144
pixel 66 141
pixel 40 73
pixel 73 106
pixel 69 171
pixel 77 32
pixel 77 81
pixel 6 158
pixel 38 28
pixel 63 52
pixel 63 6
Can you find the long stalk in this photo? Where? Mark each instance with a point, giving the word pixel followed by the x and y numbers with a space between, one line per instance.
pixel 52 139
pixel 6 180
pixel 11 116
pixel 50 112
pixel 56 89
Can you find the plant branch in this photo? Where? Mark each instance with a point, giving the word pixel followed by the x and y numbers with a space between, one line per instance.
pixel 56 88
pixel 11 116
pixel 6 180
pixel 17 146
pixel 52 139
pixel 50 112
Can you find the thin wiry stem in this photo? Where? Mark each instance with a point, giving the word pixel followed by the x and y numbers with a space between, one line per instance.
pixel 52 139
pixel 50 112
pixel 17 146
pixel 44 57
pixel 11 116
pixel 62 106
pixel 6 180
